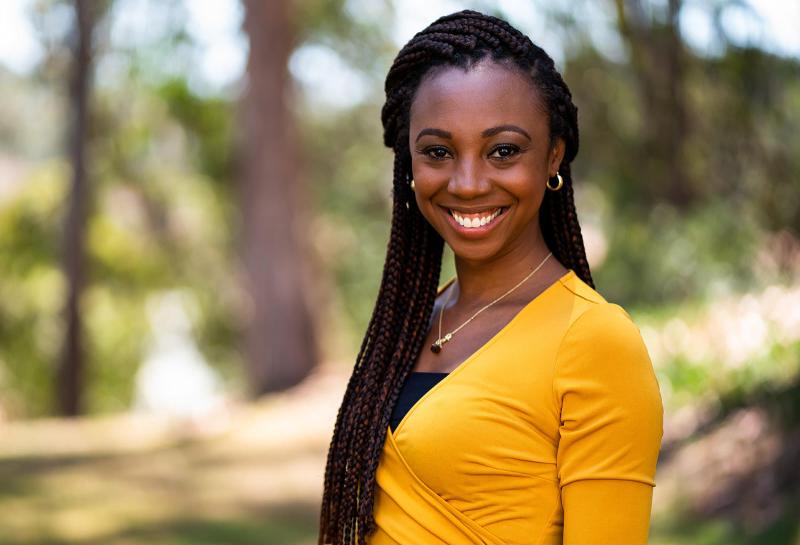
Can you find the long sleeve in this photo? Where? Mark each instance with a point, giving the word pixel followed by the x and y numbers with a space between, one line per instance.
pixel 611 428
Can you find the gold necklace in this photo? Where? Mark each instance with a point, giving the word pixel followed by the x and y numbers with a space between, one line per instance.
pixel 436 347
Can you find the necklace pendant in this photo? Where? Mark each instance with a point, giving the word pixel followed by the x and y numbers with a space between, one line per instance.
pixel 436 347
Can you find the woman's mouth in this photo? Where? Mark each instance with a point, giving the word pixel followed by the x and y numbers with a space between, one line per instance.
pixel 475 223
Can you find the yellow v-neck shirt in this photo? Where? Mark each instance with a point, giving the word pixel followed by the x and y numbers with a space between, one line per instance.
pixel 548 434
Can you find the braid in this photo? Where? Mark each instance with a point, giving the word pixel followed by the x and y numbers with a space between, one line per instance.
pixel 407 291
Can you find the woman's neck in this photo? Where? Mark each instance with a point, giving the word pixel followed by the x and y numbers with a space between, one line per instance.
pixel 480 283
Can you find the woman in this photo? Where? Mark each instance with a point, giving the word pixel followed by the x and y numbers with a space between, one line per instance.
pixel 514 405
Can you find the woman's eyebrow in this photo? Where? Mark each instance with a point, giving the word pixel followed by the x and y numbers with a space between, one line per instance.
pixel 503 128
pixel 485 134
pixel 433 132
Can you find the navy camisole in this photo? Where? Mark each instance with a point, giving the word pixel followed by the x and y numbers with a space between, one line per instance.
pixel 415 386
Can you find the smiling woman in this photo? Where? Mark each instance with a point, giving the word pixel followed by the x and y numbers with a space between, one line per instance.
pixel 536 416
pixel 471 161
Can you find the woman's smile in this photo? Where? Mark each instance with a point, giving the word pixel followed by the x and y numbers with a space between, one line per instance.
pixel 475 223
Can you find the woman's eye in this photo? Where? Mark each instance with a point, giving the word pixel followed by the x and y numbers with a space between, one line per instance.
pixel 504 151
pixel 436 152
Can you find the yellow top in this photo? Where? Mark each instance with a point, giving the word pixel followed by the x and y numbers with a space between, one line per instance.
pixel 547 434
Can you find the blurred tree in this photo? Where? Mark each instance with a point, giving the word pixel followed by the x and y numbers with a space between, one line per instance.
pixel 70 374
pixel 280 340
pixel 657 61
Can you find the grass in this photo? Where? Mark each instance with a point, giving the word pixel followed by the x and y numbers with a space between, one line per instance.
pixel 252 476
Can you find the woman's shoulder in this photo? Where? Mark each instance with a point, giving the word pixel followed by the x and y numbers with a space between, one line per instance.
pixel 605 343
pixel 592 313
pixel 603 356
pixel 577 287
pixel 604 325
pixel 598 331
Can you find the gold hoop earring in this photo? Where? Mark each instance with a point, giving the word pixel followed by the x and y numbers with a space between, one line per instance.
pixel 560 183
pixel 412 185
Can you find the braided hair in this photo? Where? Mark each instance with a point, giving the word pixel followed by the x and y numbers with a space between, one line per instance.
pixel 407 292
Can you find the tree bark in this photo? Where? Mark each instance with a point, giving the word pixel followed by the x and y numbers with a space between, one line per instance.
pixel 280 340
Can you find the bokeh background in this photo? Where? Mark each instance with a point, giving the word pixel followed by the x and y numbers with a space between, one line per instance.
pixel 194 206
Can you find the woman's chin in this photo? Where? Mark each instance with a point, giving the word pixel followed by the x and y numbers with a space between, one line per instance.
pixel 476 252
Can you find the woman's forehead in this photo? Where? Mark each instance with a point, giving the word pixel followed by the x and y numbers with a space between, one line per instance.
pixel 486 90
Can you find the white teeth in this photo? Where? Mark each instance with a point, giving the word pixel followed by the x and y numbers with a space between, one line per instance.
pixel 474 222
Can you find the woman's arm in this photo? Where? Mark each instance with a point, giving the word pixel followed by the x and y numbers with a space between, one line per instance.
pixel 606 512
pixel 611 429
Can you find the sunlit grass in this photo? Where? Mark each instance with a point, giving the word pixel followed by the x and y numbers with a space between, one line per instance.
pixel 253 477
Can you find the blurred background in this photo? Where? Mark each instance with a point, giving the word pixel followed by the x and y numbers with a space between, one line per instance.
pixel 194 208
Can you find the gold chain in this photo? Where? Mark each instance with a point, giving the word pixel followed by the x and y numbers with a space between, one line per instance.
pixel 436 347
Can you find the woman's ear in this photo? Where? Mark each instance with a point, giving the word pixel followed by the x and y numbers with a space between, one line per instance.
pixel 557 151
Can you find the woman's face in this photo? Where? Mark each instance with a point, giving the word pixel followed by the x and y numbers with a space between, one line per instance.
pixel 481 155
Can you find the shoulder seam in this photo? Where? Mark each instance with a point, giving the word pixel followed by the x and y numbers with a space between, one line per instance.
pixel 444 286
pixel 573 290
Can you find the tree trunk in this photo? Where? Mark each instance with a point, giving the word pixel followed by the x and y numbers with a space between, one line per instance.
pixel 280 340
pixel 658 60
pixel 71 365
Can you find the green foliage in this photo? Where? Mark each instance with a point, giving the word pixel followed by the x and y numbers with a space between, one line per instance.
pixel 742 108
pixel 208 123
pixel 678 256
pixel 158 221
pixel 31 292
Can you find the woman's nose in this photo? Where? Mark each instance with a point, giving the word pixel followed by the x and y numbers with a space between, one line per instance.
pixel 468 182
